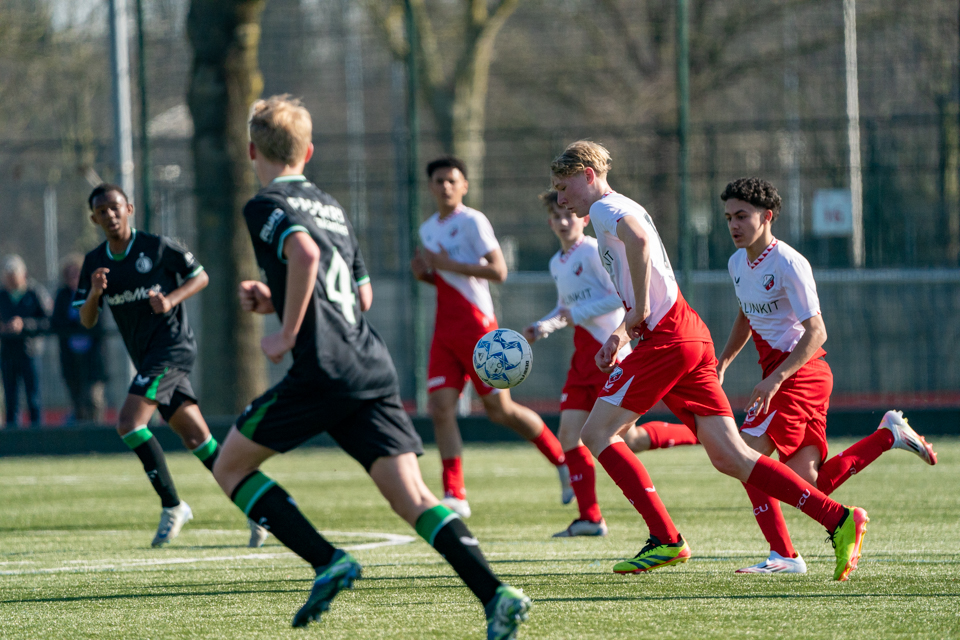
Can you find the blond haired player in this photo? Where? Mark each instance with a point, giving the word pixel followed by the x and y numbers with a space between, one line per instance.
pixel 588 301
pixel 673 361
pixel 460 257
pixel 780 308
pixel 342 380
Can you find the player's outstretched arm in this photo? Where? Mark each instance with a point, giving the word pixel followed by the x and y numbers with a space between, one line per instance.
pixel 814 335
pixel 637 245
pixel 739 336
pixel 90 310
pixel 303 259
pixel 162 303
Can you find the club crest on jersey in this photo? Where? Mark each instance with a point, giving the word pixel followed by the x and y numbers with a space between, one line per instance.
pixel 144 264
pixel 578 268
pixel 768 281
pixel 616 375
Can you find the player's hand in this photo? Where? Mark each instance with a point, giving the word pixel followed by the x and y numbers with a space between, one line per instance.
pixel 439 260
pixel 276 345
pixel 15 325
pixel 633 322
pixel 159 302
pixel 720 371
pixel 531 333
pixel 255 297
pixel 606 358
pixel 419 265
pixel 762 395
pixel 567 315
pixel 98 281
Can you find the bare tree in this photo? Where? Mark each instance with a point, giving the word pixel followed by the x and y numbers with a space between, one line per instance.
pixel 456 93
pixel 224 82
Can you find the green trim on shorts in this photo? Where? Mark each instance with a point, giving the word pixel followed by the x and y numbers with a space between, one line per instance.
pixel 206 449
pixel 137 437
pixel 432 520
pixel 151 393
pixel 251 425
pixel 251 491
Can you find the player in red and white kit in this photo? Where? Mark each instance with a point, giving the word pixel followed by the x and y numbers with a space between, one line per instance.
pixel 587 300
pixel 673 361
pixel 460 256
pixel 787 411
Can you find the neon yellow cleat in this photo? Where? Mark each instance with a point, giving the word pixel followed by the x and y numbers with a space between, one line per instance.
pixel 654 555
pixel 847 540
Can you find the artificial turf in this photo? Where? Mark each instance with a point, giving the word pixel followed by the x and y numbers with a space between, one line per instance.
pixel 76 562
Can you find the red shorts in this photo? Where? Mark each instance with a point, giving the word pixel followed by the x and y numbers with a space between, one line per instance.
pixel 584 380
pixel 451 360
pixel 798 412
pixel 682 374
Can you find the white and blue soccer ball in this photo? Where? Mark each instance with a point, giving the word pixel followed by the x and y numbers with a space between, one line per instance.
pixel 502 358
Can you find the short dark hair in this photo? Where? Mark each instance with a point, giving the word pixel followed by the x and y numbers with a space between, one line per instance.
pixel 447 162
pixel 105 187
pixel 548 198
pixel 755 191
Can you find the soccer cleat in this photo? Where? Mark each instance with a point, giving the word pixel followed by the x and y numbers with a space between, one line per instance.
pixel 904 437
pixel 583 528
pixel 339 574
pixel 258 534
pixel 776 563
pixel 654 555
pixel 847 540
pixel 505 612
pixel 460 507
pixel 172 520
pixel 566 489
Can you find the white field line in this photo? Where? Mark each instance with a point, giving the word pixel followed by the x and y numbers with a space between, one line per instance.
pixel 86 566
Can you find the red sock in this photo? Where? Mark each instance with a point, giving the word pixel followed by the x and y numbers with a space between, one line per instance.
pixel 622 465
pixel 780 481
pixel 549 446
pixel 583 479
pixel 453 479
pixel 839 468
pixel 770 518
pixel 664 435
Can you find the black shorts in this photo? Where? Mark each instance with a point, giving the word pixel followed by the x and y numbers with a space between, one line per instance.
pixel 288 415
pixel 169 388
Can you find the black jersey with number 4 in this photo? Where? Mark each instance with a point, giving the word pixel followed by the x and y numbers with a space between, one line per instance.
pixel 150 263
pixel 337 352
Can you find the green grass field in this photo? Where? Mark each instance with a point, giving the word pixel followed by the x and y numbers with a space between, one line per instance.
pixel 76 562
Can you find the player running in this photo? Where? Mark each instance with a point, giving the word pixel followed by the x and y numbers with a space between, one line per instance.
pixel 145 279
pixel 460 256
pixel 587 299
pixel 342 380
pixel 673 361
pixel 787 411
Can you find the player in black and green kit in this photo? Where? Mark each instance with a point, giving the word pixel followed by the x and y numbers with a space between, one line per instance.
pixel 144 279
pixel 342 381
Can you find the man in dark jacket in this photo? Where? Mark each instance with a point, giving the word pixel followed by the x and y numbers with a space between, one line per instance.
pixel 24 317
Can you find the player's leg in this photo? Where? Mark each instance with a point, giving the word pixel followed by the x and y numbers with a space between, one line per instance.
pixel 658 435
pixel 583 476
pixel 442 406
pixel 132 428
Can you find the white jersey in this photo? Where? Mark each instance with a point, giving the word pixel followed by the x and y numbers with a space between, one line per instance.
pixel 605 214
pixel 776 292
pixel 466 235
pixel 585 289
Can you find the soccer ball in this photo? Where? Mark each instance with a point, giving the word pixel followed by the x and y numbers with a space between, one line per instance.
pixel 502 358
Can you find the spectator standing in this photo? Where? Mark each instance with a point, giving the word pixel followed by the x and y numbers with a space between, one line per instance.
pixel 81 349
pixel 24 318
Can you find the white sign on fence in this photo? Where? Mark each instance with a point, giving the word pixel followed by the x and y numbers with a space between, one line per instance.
pixel 832 212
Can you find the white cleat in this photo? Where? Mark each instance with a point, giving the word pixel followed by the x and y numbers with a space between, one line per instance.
pixel 566 489
pixel 258 534
pixel 460 507
pixel 172 520
pixel 776 563
pixel 906 438
pixel 583 528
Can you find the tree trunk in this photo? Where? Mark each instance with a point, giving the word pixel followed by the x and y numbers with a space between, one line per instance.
pixel 224 82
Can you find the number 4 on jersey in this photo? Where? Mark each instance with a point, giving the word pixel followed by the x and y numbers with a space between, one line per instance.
pixel 339 284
